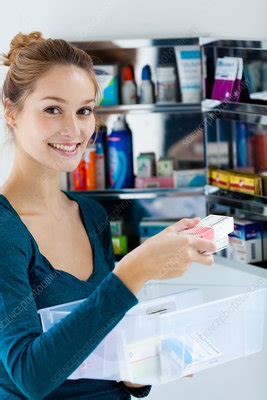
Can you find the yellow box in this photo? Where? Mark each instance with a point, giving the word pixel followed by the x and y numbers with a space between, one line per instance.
pixel 219 177
pixel 246 183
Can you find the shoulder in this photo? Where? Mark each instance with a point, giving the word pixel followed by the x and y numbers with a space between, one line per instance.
pixel 97 213
pixel 93 209
pixel 12 231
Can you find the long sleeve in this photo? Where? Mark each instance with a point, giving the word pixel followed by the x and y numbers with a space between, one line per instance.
pixel 110 259
pixel 39 362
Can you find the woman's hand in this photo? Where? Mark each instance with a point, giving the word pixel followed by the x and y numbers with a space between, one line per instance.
pixel 163 256
pixel 133 385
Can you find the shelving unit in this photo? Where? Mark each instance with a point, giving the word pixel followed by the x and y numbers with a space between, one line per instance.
pixel 136 194
pixel 252 205
pixel 158 128
pixel 249 113
pixel 221 119
pixel 150 108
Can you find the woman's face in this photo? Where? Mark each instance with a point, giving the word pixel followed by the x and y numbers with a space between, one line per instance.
pixel 58 112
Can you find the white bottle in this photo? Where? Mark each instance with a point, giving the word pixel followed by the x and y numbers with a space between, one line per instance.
pixel 128 89
pixel 147 87
pixel 166 85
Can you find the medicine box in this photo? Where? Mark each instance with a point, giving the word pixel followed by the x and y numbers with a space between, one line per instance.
pixel 107 78
pixel 213 227
pixel 245 243
pixel 173 331
pixel 149 227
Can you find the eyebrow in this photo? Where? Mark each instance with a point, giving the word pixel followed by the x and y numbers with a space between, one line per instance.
pixel 64 101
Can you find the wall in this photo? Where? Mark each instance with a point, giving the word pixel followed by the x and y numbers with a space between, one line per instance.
pixel 82 19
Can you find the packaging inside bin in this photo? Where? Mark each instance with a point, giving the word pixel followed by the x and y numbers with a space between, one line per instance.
pixel 173 331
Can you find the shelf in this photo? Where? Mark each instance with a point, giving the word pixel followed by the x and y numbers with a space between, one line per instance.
pixel 234 44
pixel 150 108
pixel 250 204
pixel 250 113
pixel 134 194
pixel 127 44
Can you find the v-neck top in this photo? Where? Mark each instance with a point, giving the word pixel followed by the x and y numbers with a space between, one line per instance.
pixel 36 364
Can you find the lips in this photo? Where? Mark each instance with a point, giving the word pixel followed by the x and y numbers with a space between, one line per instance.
pixel 73 149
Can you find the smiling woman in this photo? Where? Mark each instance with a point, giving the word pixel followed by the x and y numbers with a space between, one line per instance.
pixel 48 97
pixel 48 235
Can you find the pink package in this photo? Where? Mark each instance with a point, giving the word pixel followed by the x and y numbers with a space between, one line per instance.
pixel 225 77
pixel 201 232
pixel 154 182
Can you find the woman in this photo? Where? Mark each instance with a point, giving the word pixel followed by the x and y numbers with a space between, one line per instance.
pixel 56 247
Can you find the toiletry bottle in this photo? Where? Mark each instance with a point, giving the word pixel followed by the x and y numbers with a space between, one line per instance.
pixel 128 89
pixel 90 166
pixel 147 87
pixel 79 176
pixel 166 85
pixel 100 144
pixel 120 155
pixel 241 144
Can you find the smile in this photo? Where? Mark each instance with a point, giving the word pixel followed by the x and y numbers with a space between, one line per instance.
pixel 65 149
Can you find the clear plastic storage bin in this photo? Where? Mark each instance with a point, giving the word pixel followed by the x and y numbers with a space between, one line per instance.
pixel 174 330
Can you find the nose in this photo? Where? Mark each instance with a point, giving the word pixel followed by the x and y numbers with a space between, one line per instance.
pixel 71 127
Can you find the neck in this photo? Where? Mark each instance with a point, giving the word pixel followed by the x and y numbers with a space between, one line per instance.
pixel 34 187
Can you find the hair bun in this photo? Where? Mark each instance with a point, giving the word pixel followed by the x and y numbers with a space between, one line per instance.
pixel 20 41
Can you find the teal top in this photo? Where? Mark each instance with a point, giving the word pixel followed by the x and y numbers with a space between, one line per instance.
pixel 35 364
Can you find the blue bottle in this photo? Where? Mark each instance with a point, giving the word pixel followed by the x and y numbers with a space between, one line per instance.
pixel 241 144
pixel 120 155
pixel 101 165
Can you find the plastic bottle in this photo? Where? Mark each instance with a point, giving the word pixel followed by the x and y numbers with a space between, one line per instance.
pixel 100 144
pixel 90 166
pixel 79 176
pixel 241 144
pixel 120 155
pixel 166 85
pixel 147 89
pixel 128 89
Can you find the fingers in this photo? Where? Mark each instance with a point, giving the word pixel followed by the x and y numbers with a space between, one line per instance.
pixel 185 223
pixel 203 245
pixel 201 258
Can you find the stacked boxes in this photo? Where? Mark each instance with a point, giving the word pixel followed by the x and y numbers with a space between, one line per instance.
pixel 245 243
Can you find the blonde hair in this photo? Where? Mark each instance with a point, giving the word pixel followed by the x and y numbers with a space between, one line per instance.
pixel 30 56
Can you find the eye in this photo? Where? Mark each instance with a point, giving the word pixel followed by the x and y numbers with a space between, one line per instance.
pixel 88 111
pixel 49 109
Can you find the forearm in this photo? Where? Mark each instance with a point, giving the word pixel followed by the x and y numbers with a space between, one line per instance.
pixel 39 363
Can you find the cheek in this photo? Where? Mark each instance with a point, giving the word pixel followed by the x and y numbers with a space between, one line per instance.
pixel 89 127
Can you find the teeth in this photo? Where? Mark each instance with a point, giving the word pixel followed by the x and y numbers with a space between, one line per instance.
pixel 63 147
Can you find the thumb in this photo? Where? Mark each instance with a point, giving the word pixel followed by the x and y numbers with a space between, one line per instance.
pixel 186 223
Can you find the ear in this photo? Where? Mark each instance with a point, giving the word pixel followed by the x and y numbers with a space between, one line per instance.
pixel 9 113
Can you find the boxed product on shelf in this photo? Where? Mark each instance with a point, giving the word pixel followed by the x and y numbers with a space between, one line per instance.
pixel 189 70
pixel 219 177
pixel 165 167
pixel 264 183
pixel 174 330
pixel 154 182
pixel 189 178
pixel 107 78
pixel 264 242
pixel 149 227
pixel 245 182
pixel 146 165
pixel 225 76
pixel 120 245
pixel 237 181
pixel 116 227
pixel 245 243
